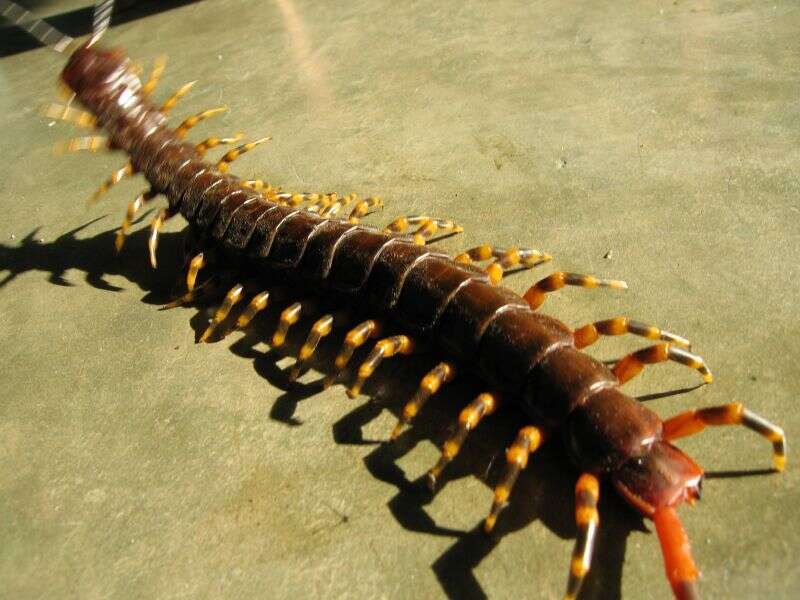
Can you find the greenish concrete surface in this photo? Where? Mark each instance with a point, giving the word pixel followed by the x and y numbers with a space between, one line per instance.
pixel 656 142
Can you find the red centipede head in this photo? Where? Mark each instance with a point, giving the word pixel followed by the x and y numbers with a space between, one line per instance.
pixel 655 484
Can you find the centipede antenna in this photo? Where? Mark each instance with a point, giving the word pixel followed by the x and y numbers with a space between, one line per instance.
pixel 47 35
pixel 115 178
pixel 90 143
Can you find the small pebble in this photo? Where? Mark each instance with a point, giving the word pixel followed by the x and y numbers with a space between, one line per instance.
pixel 609 255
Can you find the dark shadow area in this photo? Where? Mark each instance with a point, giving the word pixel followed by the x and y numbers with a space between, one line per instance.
pixel 544 493
pixel 739 473
pixel 77 23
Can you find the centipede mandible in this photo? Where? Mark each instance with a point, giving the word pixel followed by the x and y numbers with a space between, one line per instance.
pixel 393 293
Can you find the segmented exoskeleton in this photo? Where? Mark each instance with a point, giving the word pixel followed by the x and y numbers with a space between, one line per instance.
pixel 522 356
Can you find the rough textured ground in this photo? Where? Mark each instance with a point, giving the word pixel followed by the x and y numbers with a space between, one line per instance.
pixel 655 142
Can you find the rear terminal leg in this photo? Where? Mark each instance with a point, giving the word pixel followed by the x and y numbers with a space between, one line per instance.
pixel 589 334
pixel 535 296
pixel 484 404
pixel 385 348
pixel 695 421
pixel 230 156
pixel 528 441
pixel 234 295
pixel 133 207
pixel 631 365
pixel 355 338
pixel 505 260
pixel 587 493
pixel 155 227
pixel 442 373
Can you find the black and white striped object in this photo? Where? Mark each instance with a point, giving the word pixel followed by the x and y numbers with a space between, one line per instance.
pixel 102 17
pixel 39 29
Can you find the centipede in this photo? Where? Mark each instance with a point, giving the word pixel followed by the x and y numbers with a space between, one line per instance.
pixel 394 293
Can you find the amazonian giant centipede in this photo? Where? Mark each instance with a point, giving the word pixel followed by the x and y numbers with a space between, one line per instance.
pixel 451 304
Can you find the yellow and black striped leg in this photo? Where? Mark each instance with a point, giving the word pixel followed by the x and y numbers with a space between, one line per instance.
pixel 212 142
pixel 190 122
pixel 290 316
pixel 133 207
pixel 173 100
pixel 426 227
pixel 115 178
pixel 89 143
pixel 484 404
pixel 631 365
pixel 587 493
pixel 257 304
pixel 68 114
pixel 528 441
pixel 320 329
pixel 195 265
pixel 155 75
pixel 589 334
pixel 234 295
pixel 363 208
pixel 385 348
pixel 230 156
pixel 505 260
pixel 442 373
pixel 338 204
pixel 355 338
pixel 535 296
pixel 695 421
pixel 155 228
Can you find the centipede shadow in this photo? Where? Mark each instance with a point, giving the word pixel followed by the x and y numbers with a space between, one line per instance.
pixel 544 491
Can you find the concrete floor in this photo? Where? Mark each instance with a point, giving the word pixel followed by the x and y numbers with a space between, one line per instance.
pixel 656 142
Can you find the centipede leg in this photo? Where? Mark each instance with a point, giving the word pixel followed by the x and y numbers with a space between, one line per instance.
pixel 256 305
pixel 363 208
pixel 212 142
pixel 115 178
pixel 133 207
pixel 190 122
pixel 535 296
pixel 528 441
pixel 505 260
pixel 385 348
pixel 173 100
pixel 68 114
pixel 206 288
pixel 631 365
pixel 195 265
pixel 587 493
pixel 155 227
pixel 695 421
pixel 155 75
pixel 234 295
pixel 355 338
pixel 232 155
pixel 89 143
pixel 485 404
pixel 427 227
pixel 442 373
pixel 320 329
pixel 589 334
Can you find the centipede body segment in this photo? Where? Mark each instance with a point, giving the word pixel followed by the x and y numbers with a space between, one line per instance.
pixel 414 296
